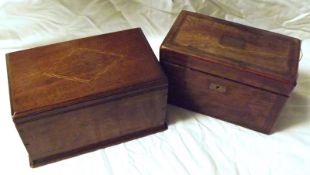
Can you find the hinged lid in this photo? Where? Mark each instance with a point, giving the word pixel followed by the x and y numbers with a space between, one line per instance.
pixel 244 54
pixel 75 72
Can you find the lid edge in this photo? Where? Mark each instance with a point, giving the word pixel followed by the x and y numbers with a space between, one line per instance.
pixel 38 113
pixel 290 83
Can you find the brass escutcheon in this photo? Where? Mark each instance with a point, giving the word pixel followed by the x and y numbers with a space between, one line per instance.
pixel 217 87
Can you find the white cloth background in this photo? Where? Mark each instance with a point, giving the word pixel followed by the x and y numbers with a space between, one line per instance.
pixel 194 143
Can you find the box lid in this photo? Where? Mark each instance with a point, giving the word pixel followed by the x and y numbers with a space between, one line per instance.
pixel 78 72
pixel 240 53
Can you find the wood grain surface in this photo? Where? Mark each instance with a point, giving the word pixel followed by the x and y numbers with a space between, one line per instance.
pixel 76 96
pixel 229 71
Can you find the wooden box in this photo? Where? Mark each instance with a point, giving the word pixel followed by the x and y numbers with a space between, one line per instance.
pixel 229 71
pixel 77 96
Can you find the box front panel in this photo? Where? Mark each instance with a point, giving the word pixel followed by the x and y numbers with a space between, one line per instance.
pixel 221 98
pixel 80 128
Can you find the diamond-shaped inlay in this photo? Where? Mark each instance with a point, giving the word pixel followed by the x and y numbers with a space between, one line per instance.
pixel 83 65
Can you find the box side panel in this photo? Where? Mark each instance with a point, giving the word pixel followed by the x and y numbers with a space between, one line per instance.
pixel 70 133
pixel 224 99
pixel 8 68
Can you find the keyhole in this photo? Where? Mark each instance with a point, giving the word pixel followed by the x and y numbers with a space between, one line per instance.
pixel 217 87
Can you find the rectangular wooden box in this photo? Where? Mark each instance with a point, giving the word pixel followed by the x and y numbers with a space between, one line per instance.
pixel 229 71
pixel 77 96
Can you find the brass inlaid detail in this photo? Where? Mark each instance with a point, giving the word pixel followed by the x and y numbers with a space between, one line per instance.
pixel 83 65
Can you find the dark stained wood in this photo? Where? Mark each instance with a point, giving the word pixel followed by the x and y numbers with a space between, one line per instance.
pixel 230 71
pixel 221 98
pixel 77 96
